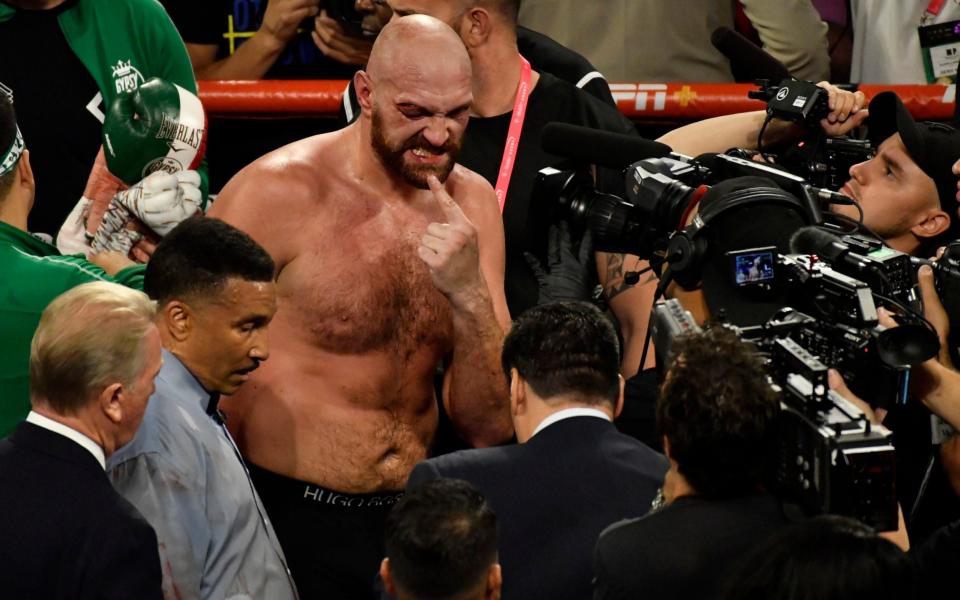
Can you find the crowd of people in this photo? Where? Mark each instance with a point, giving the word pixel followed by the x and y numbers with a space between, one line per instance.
pixel 382 363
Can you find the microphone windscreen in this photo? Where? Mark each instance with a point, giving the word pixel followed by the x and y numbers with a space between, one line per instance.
pixel 748 62
pixel 812 240
pixel 597 147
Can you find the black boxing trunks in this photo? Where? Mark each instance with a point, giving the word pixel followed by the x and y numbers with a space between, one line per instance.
pixel 333 541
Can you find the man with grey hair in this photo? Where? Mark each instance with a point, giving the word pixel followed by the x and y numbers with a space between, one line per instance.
pixel 69 534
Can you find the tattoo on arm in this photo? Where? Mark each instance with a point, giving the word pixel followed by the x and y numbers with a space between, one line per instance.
pixel 615 283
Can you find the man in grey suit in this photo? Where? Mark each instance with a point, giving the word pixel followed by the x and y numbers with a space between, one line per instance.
pixel 572 473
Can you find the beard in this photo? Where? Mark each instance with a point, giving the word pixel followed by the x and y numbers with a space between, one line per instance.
pixel 393 157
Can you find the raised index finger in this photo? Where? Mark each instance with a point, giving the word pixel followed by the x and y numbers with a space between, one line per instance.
pixel 451 210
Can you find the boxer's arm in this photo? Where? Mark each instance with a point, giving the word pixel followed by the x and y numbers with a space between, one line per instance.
pixel 461 256
pixel 631 304
pixel 485 216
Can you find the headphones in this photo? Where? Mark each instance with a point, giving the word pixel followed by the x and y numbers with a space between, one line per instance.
pixel 687 249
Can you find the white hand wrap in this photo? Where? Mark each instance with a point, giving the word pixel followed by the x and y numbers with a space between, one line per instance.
pixel 72 237
pixel 111 236
pixel 161 200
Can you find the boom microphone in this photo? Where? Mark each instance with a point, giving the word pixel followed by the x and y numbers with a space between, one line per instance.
pixel 597 147
pixel 748 62
pixel 829 247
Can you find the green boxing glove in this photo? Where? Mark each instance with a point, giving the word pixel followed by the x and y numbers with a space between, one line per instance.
pixel 158 127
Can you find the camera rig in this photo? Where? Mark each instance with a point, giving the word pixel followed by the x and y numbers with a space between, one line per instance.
pixel 829 458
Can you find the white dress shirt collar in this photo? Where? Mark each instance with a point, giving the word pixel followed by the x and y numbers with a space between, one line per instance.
pixel 569 413
pixel 70 433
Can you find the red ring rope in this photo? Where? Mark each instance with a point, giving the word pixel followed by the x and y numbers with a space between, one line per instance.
pixel 641 101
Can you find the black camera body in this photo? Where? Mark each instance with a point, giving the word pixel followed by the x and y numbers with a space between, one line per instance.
pixel 825 162
pixel 829 458
pixel 346 13
pixel 794 100
pixel 946 273
pixel 659 194
pixel 893 274
pixel 840 325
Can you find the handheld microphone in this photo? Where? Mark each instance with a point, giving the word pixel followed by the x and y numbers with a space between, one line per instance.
pixel 597 147
pixel 748 62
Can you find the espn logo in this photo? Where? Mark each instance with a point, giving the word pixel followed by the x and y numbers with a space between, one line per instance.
pixel 640 96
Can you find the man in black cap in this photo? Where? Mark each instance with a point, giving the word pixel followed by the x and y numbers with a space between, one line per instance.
pixel 907 191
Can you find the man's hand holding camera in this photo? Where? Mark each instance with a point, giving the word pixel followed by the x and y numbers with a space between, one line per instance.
pixel 283 17
pixel 334 41
pixel 847 110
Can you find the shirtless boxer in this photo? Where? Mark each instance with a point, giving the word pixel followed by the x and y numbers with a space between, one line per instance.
pixel 390 260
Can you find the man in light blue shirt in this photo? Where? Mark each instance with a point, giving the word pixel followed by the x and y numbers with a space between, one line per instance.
pixel 215 293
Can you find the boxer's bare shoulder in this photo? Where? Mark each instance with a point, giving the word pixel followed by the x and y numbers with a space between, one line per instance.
pixel 271 195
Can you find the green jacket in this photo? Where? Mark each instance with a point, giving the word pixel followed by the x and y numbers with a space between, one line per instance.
pixel 122 43
pixel 32 274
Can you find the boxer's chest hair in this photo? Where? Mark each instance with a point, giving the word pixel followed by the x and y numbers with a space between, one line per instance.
pixel 367 290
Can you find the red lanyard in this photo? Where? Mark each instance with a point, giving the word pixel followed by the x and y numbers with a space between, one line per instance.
pixel 935 7
pixel 513 134
pixel 933 11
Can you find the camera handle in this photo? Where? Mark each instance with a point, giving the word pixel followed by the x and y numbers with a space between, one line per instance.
pixel 661 288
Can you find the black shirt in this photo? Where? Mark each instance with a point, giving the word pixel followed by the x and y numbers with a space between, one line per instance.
pixel 229 23
pixel 936 559
pixel 526 219
pixel 547 54
pixel 59 110
pixel 686 550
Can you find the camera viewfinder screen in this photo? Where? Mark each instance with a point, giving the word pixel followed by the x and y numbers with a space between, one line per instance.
pixel 753 267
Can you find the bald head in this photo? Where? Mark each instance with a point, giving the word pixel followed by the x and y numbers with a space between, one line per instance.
pixel 416 46
pixel 415 98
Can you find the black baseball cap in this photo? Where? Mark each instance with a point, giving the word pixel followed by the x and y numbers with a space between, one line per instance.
pixel 933 146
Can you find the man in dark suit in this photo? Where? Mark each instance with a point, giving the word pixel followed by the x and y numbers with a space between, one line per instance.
pixel 717 414
pixel 572 473
pixel 66 532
